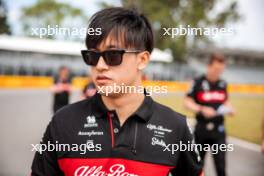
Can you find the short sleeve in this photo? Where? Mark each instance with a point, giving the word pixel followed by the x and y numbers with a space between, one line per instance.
pixel 192 90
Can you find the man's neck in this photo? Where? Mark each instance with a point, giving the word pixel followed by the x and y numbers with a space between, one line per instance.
pixel 125 104
pixel 210 78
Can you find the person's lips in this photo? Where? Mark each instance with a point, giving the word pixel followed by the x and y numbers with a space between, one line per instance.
pixel 102 78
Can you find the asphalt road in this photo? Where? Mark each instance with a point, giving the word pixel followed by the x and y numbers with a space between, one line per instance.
pixel 25 113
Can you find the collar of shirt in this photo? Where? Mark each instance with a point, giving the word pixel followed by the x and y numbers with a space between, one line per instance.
pixel 144 111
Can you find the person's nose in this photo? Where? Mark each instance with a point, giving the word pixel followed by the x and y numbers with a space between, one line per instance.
pixel 101 65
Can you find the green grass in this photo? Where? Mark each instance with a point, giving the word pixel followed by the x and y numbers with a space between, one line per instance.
pixel 246 124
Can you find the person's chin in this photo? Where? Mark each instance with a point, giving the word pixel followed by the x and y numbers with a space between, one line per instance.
pixel 112 94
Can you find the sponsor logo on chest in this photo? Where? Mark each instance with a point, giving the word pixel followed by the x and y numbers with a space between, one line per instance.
pixel 91 122
pixel 114 170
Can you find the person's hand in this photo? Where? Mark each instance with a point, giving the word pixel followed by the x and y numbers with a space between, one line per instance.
pixel 56 88
pixel 208 112
pixel 65 87
pixel 232 111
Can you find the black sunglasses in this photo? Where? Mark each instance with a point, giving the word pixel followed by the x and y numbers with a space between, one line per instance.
pixel 111 57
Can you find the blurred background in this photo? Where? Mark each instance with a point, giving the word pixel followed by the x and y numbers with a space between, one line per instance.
pixel 29 62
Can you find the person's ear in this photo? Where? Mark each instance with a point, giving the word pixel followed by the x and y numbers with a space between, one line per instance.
pixel 143 59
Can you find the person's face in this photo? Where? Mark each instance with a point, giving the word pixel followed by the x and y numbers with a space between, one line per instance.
pixel 128 73
pixel 64 73
pixel 215 70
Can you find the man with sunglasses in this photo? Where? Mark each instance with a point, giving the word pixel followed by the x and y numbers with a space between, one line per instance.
pixel 136 134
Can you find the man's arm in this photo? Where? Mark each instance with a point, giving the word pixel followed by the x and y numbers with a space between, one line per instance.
pixel 189 163
pixel 191 105
pixel 189 102
pixel 45 163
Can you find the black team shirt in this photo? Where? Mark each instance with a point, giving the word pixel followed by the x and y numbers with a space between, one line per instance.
pixel 209 94
pixel 61 98
pixel 135 148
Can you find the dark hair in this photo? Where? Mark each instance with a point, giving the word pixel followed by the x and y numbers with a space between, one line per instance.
pixel 128 26
pixel 216 57
pixel 63 67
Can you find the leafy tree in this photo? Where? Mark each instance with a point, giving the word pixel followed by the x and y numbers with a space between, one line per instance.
pixel 172 13
pixel 51 13
pixel 4 26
